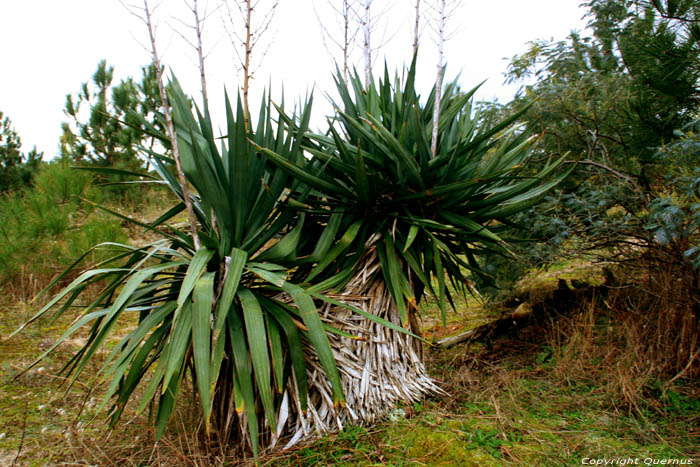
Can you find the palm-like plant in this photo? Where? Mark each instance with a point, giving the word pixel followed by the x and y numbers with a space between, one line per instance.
pixel 215 311
pixel 408 222
pixel 376 180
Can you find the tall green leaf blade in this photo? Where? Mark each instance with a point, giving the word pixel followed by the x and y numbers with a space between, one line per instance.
pixel 337 249
pixel 407 160
pixel 241 359
pixel 391 270
pixel 194 271
pixel 259 355
pixel 294 346
pixel 133 340
pixel 363 186
pixel 286 246
pixel 239 156
pixel 77 325
pixel 273 277
pixel 275 344
pixel 167 402
pixel 84 277
pixel 412 233
pixel 178 344
pixel 327 237
pixel 317 336
pixel 236 264
pixel 127 293
pixel 440 276
pixel 300 173
pixel 201 318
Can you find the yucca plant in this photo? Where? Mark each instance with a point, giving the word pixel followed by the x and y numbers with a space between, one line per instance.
pixel 365 227
pixel 374 176
pixel 225 312
pixel 408 222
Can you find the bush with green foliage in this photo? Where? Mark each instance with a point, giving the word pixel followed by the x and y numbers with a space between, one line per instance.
pixel 674 212
pixel 622 105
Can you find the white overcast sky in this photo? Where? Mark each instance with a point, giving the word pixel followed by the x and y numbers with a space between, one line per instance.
pixel 50 47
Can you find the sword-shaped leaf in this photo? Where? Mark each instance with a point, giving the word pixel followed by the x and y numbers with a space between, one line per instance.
pixel 201 340
pixel 317 336
pixel 259 355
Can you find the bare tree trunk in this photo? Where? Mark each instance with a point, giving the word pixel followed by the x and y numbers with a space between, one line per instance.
pixel 200 53
pixel 346 38
pixel 198 28
pixel 246 64
pixel 438 80
pixel 416 28
pixel 170 126
pixel 203 79
pixel 366 45
pixel 249 40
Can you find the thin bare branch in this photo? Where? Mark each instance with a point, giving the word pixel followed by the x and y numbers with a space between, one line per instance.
pixel 345 21
pixel 254 27
pixel 169 123
pixel 182 36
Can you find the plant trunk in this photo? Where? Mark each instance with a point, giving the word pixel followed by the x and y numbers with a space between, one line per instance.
pixel 379 369
pixel 246 63
pixel 346 38
pixel 200 54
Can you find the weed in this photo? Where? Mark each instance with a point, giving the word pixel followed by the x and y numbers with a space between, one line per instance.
pixel 674 401
pixel 545 355
pixel 417 408
pixel 489 440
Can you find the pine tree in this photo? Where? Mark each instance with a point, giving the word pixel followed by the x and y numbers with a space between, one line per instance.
pixel 106 122
pixel 16 168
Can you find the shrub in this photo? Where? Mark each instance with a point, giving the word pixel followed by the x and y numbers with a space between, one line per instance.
pixel 46 227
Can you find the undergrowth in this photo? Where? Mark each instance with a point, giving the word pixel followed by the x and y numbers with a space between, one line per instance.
pixel 552 394
pixel 43 229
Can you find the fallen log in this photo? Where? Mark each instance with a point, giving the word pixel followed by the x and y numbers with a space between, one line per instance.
pixel 562 301
pixel 522 312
